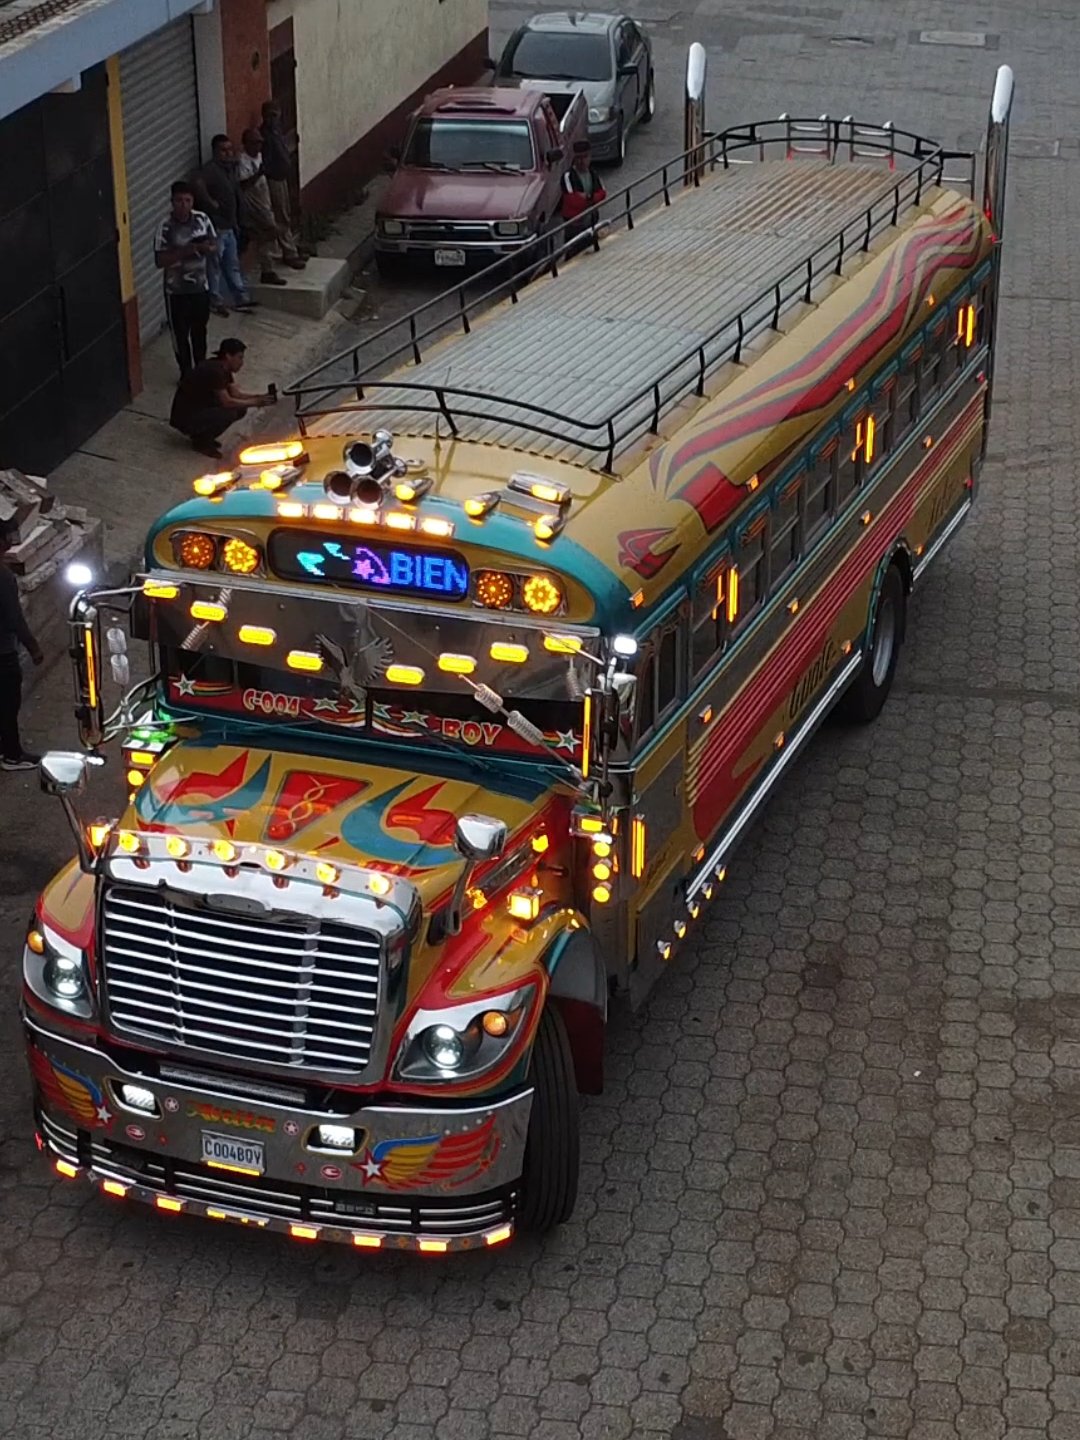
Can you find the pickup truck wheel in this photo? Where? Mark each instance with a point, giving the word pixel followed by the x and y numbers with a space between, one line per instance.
pixel 620 143
pixel 650 101
pixel 549 1181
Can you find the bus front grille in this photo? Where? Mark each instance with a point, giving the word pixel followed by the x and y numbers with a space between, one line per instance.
pixel 273 992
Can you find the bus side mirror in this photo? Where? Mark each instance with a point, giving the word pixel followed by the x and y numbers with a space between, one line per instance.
pixel 63 772
pixel 477 838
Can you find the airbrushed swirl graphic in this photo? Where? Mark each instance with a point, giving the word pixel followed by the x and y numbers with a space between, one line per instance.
pixel 173 799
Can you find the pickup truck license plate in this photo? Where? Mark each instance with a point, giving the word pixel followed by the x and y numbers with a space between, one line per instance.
pixel 226 1153
pixel 449 257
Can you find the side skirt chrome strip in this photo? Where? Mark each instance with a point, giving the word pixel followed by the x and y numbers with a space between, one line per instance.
pixel 707 873
pixel 941 541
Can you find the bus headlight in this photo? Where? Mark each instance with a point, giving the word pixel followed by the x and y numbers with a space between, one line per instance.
pixel 55 971
pixel 463 1041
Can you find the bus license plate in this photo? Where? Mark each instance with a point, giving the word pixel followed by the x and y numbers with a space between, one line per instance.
pixel 226 1153
pixel 449 257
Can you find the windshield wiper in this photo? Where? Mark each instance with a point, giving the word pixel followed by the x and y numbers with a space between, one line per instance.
pixel 501 166
pixel 551 75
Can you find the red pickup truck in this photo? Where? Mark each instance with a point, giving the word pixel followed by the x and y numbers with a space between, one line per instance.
pixel 478 179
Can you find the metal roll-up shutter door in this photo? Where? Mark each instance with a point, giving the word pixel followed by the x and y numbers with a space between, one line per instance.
pixel 160 107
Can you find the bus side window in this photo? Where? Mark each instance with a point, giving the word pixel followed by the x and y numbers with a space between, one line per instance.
pixel 784 537
pixel 667 670
pixel 707 620
pixel 930 370
pixel 847 467
pixel 885 414
pixel 645 706
pixel 749 588
pixel 819 491
pixel 906 409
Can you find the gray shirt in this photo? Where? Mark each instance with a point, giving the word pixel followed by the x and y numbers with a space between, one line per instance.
pixel 189 276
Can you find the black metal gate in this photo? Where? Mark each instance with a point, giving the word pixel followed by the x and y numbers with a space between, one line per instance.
pixel 63 355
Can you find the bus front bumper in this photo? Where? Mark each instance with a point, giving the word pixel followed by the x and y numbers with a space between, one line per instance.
pixel 417 1178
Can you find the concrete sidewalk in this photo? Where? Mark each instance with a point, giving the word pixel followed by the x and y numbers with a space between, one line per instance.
pixel 136 467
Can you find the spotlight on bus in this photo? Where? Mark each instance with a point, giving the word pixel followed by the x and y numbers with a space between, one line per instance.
pixel 625 645
pixel 79 575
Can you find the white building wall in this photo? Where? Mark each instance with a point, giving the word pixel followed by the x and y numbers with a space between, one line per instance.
pixel 358 59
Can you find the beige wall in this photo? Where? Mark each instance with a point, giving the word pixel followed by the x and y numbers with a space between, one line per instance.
pixel 357 59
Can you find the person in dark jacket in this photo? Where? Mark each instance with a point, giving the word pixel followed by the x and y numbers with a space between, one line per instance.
pixel 14 632
pixel 582 189
pixel 208 399
pixel 218 193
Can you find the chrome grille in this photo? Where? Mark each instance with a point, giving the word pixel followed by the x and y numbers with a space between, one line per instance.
pixel 303 995
pixel 420 230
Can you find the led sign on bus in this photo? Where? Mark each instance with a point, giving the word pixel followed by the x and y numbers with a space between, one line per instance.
pixel 369 564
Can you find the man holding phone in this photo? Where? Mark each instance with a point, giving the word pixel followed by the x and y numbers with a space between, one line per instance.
pixel 208 400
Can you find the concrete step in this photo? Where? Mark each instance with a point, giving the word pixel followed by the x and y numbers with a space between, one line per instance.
pixel 310 292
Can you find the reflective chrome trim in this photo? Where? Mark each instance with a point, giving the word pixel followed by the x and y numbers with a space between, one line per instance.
pixel 707 872
pixel 941 541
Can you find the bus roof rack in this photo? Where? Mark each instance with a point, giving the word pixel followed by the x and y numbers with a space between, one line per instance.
pixel 871 175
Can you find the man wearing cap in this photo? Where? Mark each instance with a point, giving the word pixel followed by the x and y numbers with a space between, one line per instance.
pixel 207 400
pixel 582 188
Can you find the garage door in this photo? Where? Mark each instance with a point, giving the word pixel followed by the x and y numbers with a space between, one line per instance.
pixel 161 142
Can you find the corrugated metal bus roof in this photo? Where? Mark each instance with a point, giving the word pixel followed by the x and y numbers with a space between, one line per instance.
pixel 590 341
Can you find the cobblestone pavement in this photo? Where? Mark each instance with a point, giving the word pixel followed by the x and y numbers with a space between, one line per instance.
pixel 833 1189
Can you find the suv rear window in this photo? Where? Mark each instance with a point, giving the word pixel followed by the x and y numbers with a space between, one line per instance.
pixel 442 143
pixel 542 56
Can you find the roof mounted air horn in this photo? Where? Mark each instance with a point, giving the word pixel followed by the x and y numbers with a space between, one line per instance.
pixel 369 469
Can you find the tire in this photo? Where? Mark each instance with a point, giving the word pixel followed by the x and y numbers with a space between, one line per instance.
pixel 620 145
pixel 549 1181
pixel 865 698
pixel 650 101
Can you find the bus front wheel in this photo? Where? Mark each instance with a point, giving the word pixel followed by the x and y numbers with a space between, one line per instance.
pixel 869 690
pixel 550 1178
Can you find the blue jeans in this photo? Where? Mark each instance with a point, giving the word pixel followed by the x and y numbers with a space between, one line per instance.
pixel 224 270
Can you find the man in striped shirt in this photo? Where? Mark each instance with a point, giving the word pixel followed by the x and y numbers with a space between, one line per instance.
pixel 183 244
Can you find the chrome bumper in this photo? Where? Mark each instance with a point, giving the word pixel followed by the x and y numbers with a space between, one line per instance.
pixel 419 1179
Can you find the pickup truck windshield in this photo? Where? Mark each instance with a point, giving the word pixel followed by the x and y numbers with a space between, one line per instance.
pixel 539 56
pixel 453 144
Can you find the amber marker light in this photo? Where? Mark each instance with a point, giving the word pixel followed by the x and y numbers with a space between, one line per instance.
pixel 197 551
pixel 326 873
pixel 128 841
pixel 225 851
pixel 207 610
pixel 509 654
pixel 257 635
pixel 36 942
pixel 65 1168
pixel 114 1187
pixel 368 1242
pixel 304 1232
pixel 291 509
pixel 177 847
pixel 434 1247
pixel 240 557
pixel 168 1204
pixel 563 644
pixel 304 660
pixel 499 1236
pixel 98 834
pixel 457 664
pixel 400 520
pixel 159 590
pixel 275 860
pixel 326 512
pixel 135 778
pixel 601 894
pixel 523 904
pixel 433 525
pixel 541 844
pixel 495 1023
pixel 541 595
pixel 405 675
pixel 380 884
pixel 494 590
pixel 280 454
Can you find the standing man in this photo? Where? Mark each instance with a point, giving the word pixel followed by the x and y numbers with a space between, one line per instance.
pixel 182 248
pixel 257 212
pixel 208 401
pixel 14 632
pixel 220 186
pixel 278 151
pixel 582 187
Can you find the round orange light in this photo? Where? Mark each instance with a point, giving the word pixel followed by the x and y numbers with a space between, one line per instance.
pixel 495 1023
pixel 177 847
pixel 197 551
pixel 541 595
pixel 240 557
pixel 36 941
pixel 494 590
pixel 275 860
pixel 225 851
pixel 601 894
pixel 602 870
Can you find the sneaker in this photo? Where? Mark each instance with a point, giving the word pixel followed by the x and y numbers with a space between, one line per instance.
pixel 296 264
pixel 245 307
pixel 271 277
pixel 222 310
pixel 26 761
pixel 207 447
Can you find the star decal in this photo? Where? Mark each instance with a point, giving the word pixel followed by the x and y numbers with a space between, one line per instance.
pixel 415 717
pixel 326 703
pixel 103 1115
pixel 371 1168
pixel 565 740
pixel 185 685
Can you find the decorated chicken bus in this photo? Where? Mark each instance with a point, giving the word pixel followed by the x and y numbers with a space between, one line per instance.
pixel 463 697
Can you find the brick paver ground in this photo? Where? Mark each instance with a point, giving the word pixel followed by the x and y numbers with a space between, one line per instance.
pixel 833 1189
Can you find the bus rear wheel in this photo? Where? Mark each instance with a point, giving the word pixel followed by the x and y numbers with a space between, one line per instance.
pixel 550 1179
pixel 868 692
